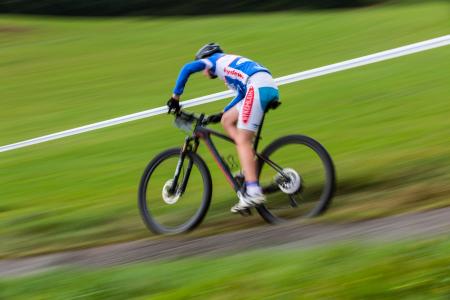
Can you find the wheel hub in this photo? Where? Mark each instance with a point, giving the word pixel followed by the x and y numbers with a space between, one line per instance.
pixel 291 184
pixel 168 197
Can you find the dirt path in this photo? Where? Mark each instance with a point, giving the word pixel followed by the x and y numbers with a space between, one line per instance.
pixel 407 226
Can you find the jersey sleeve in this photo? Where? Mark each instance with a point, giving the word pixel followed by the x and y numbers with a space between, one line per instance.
pixel 186 71
pixel 211 62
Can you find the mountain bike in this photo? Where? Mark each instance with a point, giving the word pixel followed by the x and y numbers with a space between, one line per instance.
pixel 296 174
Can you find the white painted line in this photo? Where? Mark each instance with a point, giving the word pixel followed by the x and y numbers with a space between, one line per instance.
pixel 348 64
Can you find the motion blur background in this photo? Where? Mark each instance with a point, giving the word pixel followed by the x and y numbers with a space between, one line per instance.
pixel 65 64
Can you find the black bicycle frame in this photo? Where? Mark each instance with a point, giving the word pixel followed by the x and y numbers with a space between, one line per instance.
pixel 204 133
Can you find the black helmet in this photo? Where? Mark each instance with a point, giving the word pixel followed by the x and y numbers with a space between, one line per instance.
pixel 208 50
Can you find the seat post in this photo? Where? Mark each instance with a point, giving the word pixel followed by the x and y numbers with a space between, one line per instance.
pixel 272 105
pixel 258 133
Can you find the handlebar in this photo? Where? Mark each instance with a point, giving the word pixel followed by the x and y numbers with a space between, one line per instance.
pixel 188 121
pixel 200 119
pixel 190 116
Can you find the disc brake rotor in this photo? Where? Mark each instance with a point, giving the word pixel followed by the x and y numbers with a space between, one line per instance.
pixel 291 184
pixel 168 197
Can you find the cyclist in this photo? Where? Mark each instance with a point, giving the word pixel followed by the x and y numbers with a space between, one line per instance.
pixel 255 89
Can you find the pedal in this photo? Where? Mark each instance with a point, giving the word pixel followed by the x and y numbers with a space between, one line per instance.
pixel 245 212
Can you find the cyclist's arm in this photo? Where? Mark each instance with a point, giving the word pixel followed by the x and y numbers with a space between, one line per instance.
pixel 186 71
pixel 240 95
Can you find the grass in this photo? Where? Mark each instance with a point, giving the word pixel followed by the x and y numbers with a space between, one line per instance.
pixel 84 70
pixel 386 125
pixel 354 270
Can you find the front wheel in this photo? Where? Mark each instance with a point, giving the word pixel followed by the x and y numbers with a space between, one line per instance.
pixel 298 178
pixel 170 211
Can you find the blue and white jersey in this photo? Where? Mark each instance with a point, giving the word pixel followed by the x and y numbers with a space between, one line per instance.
pixel 234 70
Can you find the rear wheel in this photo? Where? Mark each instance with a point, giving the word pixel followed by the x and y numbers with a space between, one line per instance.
pixel 298 179
pixel 166 212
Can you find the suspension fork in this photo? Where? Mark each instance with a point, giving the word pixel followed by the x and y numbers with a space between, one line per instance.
pixel 186 148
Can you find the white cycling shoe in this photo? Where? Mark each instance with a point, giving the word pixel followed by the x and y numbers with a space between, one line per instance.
pixel 248 201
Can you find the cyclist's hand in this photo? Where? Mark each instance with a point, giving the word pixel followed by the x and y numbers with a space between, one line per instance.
pixel 173 105
pixel 214 118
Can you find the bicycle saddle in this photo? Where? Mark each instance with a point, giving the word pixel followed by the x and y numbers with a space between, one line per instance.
pixel 273 105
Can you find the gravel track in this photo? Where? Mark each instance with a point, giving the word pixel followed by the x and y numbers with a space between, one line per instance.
pixel 405 226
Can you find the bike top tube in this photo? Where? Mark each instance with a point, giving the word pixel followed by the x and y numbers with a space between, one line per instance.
pixel 197 125
pixel 185 120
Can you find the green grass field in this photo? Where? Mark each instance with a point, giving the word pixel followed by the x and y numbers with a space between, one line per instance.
pixel 386 125
pixel 407 270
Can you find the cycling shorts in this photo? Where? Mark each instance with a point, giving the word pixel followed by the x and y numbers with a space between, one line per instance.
pixel 261 90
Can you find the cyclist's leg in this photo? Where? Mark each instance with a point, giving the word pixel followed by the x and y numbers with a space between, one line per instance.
pixel 244 146
pixel 261 91
pixel 229 121
pixel 250 116
pixel 244 142
pixel 243 139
